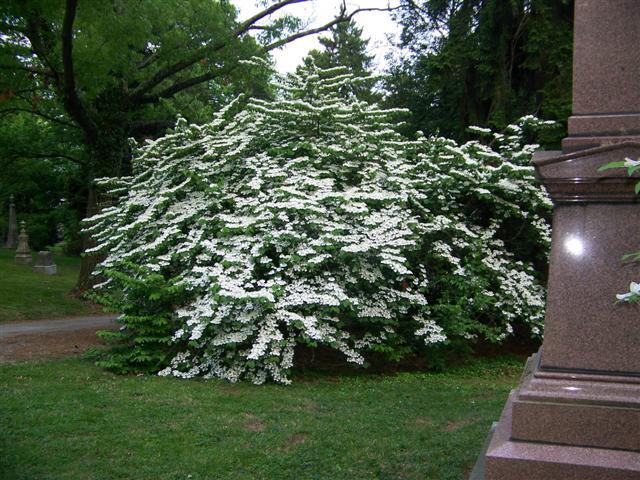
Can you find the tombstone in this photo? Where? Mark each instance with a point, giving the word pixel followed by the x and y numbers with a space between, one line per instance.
pixel 60 232
pixel 23 252
pixel 576 413
pixel 12 232
pixel 44 264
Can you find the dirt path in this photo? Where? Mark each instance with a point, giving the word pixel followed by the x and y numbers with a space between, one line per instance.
pixel 42 339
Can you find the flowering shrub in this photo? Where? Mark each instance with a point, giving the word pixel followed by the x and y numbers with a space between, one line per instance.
pixel 309 220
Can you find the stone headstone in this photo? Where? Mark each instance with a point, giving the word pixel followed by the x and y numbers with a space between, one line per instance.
pixel 576 413
pixel 44 264
pixel 23 252
pixel 60 232
pixel 12 232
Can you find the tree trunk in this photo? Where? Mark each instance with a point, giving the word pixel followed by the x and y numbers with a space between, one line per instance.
pixel 111 157
pixel 89 262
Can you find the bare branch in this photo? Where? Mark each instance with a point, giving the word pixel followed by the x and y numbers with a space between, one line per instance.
pixel 248 23
pixel 343 17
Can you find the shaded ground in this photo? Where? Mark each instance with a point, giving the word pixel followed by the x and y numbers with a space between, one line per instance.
pixel 26 295
pixel 37 340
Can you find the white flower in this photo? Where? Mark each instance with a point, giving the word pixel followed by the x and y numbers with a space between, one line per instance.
pixel 634 291
pixel 309 219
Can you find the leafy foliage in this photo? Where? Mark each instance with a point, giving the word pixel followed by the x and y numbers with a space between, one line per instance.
pixel 485 63
pixel 38 167
pixel 310 220
pixel 147 305
pixel 107 71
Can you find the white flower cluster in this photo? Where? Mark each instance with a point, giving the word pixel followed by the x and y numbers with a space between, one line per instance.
pixel 308 219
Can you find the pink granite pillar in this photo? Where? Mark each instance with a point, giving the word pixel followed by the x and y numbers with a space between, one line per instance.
pixel 576 412
pixel 606 69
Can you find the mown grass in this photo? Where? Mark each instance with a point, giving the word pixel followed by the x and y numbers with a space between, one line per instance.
pixel 25 295
pixel 68 419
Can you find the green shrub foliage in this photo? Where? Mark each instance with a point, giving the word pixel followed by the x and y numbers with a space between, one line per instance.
pixel 310 220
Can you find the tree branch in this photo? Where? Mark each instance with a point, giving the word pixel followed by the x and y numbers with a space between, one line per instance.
pixel 160 76
pixel 190 82
pixel 246 25
pixel 184 84
pixel 71 99
pixel 28 69
pixel 35 25
pixel 40 114
pixel 150 128
pixel 19 154
pixel 148 60
pixel 139 92
pixel 421 12
pixel 343 17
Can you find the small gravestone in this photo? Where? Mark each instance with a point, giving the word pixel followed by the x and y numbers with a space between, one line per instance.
pixel 23 252
pixel 12 232
pixel 44 264
pixel 60 232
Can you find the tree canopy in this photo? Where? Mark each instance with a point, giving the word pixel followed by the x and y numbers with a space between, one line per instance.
pixel 482 62
pixel 107 71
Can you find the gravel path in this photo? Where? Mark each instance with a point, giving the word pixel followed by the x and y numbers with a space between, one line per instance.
pixel 44 339
pixel 63 325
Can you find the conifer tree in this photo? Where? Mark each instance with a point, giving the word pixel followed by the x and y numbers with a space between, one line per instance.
pixel 347 48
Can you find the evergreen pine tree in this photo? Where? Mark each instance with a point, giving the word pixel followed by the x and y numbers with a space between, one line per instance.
pixel 347 48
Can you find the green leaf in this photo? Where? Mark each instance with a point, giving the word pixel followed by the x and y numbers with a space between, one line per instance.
pixel 610 165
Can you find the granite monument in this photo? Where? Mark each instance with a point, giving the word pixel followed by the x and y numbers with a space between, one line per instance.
pixel 23 251
pixel 12 231
pixel 576 413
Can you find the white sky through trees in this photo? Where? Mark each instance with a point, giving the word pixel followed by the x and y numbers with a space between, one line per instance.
pixel 377 26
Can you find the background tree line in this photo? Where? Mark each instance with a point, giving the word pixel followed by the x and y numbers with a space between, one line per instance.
pixel 78 78
pixel 482 62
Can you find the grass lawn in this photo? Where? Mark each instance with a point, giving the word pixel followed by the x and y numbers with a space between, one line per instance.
pixel 68 419
pixel 25 295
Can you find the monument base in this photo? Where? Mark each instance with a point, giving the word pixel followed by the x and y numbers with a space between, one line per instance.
pixel 46 269
pixel 509 459
pixel 561 426
pixel 23 259
pixel 478 470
